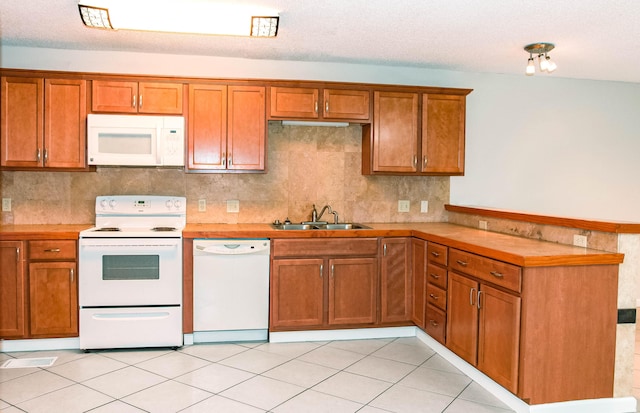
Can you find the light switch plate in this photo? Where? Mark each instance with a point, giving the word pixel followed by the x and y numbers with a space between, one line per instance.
pixel 6 204
pixel 404 205
pixel 233 205
pixel 580 240
pixel 424 206
pixel 202 205
pixel 482 224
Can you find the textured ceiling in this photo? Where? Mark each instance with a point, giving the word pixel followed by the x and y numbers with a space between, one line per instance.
pixel 595 39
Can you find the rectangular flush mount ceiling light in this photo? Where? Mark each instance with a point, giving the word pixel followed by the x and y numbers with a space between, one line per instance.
pixel 191 16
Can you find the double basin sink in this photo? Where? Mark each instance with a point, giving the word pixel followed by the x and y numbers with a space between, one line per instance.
pixel 319 225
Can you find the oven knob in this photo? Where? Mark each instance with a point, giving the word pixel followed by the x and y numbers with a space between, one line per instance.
pixel 177 203
pixel 168 204
pixel 103 204
pixel 113 203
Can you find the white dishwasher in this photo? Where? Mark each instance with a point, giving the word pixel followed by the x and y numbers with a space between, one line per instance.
pixel 230 290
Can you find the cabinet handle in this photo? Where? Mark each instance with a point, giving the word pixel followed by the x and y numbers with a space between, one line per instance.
pixel 462 263
pixel 435 297
pixel 433 323
pixel 478 301
pixel 316 107
pixel 384 250
pixel 415 161
pixel 435 254
pixel 38 154
pixel 46 155
pixel 436 276
pixel 230 162
pixel 424 161
pixel 333 270
pixel 321 270
pixel 497 274
pixel 52 250
pixel 17 254
pixel 224 159
pixel 140 102
pixel 71 273
pixel 471 295
pixel 133 104
pixel 326 106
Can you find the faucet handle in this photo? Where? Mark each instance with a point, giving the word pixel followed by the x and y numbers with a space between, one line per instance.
pixel 314 214
pixel 335 217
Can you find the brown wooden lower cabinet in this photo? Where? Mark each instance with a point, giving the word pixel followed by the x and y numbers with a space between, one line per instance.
pixel 395 280
pixel 12 290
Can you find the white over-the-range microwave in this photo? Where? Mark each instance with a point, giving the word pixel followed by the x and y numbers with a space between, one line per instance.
pixel 135 140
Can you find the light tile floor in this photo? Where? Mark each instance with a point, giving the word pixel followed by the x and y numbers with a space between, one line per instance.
pixel 369 376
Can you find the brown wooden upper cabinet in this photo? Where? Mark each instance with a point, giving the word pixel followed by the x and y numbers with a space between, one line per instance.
pixel 43 123
pixel 415 134
pixel 305 104
pixel 136 97
pixel 226 128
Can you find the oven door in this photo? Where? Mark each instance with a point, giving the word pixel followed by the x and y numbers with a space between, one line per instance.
pixel 130 272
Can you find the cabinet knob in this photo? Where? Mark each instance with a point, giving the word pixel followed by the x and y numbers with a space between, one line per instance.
pixel 433 323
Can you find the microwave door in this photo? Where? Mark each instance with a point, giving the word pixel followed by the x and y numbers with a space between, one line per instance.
pixel 123 146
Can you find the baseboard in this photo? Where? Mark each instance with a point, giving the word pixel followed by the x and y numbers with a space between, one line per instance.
pixel 37 344
pixel 346 334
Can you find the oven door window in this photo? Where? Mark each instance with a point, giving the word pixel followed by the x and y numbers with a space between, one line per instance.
pixel 130 267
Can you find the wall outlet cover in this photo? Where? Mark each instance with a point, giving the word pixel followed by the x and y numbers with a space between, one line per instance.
pixel 233 205
pixel 424 207
pixel 404 205
pixel 202 205
pixel 580 240
pixel 6 204
pixel 482 224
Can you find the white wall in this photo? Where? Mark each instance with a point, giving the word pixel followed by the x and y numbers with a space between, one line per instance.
pixel 539 144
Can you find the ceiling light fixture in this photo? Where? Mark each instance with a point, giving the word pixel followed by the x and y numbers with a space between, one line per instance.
pixel 195 17
pixel 544 60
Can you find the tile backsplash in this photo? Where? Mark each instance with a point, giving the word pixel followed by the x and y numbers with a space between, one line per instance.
pixel 305 165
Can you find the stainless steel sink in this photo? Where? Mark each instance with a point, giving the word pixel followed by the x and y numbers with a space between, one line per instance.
pixel 320 226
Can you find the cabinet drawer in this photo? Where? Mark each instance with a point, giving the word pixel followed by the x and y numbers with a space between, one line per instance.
pixel 437 253
pixel 52 250
pixel 436 322
pixel 324 247
pixel 487 269
pixel 436 296
pixel 437 276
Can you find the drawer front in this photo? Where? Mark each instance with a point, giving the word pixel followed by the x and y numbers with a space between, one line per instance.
pixel 436 296
pixel 436 322
pixel 437 276
pixel 323 247
pixel 437 253
pixel 52 250
pixel 487 269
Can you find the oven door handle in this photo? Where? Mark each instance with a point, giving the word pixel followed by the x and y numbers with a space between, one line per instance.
pixel 138 316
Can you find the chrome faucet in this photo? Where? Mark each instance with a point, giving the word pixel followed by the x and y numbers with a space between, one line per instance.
pixel 315 217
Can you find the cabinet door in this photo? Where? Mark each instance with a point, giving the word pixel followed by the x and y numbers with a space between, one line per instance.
pixel 352 290
pixel 462 317
pixel 288 102
pixel 162 98
pixel 297 290
pixel 65 119
pixel 499 336
pixel 395 291
pixel 246 128
pixel 12 290
pixel 119 97
pixel 21 117
pixel 443 120
pixel 418 278
pixel 346 104
pixel 53 299
pixel 207 131
pixel 395 132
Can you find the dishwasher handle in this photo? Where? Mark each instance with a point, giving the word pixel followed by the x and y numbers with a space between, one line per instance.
pixel 231 248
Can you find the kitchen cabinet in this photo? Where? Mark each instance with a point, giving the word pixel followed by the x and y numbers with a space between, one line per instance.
pixel 483 321
pixel 12 290
pixel 53 288
pixel 415 134
pixel 320 283
pixel 305 104
pixel 226 128
pixel 115 96
pixel 436 291
pixel 419 281
pixel 43 123
pixel 395 281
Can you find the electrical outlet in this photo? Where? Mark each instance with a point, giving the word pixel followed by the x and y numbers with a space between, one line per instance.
pixel 482 224
pixel 424 206
pixel 404 205
pixel 6 204
pixel 202 205
pixel 580 240
pixel 233 205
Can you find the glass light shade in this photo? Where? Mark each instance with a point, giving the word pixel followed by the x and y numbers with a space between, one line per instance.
pixel 551 65
pixel 531 67
pixel 186 16
pixel 544 65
